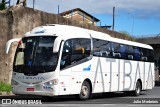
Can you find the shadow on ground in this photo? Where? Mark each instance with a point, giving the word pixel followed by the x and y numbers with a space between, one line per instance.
pixel 157 83
pixel 70 98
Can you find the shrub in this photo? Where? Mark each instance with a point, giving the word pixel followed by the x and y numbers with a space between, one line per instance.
pixel 4 87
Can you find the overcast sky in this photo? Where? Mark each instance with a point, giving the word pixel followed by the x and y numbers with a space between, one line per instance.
pixel 138 17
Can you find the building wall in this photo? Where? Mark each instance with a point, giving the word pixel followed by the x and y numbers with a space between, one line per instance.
pixel 78 16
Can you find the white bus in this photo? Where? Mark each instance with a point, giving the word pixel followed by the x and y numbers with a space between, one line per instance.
pixel 55 60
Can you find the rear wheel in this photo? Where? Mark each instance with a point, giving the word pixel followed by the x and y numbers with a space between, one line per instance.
pixel 137 90
pixel 85 91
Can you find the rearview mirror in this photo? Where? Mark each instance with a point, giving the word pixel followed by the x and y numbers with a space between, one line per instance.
pixel 56 45
pixel 8 44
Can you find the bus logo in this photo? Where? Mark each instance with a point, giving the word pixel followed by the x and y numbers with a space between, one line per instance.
pixel 87 69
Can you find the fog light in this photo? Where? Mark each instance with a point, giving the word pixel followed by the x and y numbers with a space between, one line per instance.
pixel 52 82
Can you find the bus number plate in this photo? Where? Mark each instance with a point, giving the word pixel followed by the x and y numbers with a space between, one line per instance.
pixel 30 89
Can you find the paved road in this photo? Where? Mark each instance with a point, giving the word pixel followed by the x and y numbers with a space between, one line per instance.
pixel 147 98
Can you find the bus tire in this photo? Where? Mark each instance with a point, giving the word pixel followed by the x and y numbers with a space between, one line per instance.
pixel 137 90
pixel 85 92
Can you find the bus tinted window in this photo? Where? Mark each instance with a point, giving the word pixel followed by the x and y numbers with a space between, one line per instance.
pixel 123 50
pixel 101 48
pixel 115 50
pixel 137 53
pixel 144 54
pixel 80 49
pixel 130 53
pixel 75 50
pixel 150 55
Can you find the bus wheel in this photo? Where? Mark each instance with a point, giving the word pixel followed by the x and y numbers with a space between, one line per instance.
pixel 85 91
pixel 137 91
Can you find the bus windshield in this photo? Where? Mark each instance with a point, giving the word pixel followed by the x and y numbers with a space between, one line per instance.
pixel 35 55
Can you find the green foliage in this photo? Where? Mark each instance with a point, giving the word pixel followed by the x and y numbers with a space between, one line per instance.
pixel 4 87
pixel 3 5
pixel 125 33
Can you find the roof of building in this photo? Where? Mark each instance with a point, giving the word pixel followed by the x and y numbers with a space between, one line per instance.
pixel 78 9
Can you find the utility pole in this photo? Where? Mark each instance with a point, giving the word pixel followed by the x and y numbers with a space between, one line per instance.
pixel 113 18
pixel 58 9
pixel 33 3
pixel 132 25
pixel 9 3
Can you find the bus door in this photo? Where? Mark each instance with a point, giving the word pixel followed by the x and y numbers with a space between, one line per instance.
pixel 64 79
pixel 65 69
pixel 68 74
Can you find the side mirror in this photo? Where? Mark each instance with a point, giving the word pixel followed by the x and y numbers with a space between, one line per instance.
pixel 8 44
pixel 56 45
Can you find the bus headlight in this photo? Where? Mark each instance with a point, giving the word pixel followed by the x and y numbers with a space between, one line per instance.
pixel 13 82
pixel 52 82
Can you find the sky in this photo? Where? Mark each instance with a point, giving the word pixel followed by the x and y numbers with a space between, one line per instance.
pixel 137 17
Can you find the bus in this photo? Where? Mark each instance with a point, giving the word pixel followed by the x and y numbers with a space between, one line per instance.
pixel 55 60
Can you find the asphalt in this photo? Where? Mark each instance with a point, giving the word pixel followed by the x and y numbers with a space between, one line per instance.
pixel 150 98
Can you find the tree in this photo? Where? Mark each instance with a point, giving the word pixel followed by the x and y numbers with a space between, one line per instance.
pixel 125 33
pixel 3 5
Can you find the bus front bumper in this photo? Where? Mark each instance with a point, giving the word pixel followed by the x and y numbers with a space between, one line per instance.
pixel 34 90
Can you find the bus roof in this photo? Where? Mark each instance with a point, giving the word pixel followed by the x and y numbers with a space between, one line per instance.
pixel 67 32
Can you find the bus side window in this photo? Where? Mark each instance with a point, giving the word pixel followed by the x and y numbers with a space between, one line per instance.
pixel 101 48
pixel 150 55
pixel 122 50
pixel 75 50
pixel 144 55
pixel 130 53
pixel 115 50
pixel 66 55
pixel 137 53
pixel 80 49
